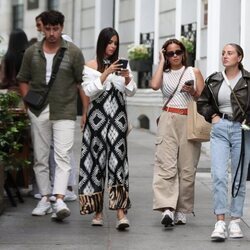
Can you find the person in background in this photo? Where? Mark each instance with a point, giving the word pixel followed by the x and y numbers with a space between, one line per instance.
pixel 11 62
pixel 10 65
pixel 228 140
pixel 104 141
pixel 39 27
pixel 56 118
pixel 176 158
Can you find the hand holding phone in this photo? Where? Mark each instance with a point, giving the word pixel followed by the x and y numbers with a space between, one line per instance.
pixel 123 63
pixel 189 83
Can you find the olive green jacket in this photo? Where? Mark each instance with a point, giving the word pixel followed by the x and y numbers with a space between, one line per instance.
pixel 62 97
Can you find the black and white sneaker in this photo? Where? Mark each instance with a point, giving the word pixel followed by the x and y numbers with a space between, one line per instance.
pixel 167 218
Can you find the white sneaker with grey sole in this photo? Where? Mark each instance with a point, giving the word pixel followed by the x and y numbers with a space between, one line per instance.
pixel 180 218
pixel 220 231
pixel 60 209
pixel 70 196
pixel 43 207
pixel 234 229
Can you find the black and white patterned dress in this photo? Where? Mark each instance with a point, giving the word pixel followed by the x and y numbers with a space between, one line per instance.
pixel 104 144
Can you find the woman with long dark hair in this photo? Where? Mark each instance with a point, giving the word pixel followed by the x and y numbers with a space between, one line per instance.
pixel 176 158
pixel 12 60
pixel 104 143
pixel 225 102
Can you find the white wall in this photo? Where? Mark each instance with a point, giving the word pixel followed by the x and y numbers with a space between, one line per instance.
pixel 245 34
pixel 5 24
pixel 147 16
pixel 188 11
pixel 223 27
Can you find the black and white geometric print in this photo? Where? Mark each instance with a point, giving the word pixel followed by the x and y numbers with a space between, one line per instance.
pixel 104 145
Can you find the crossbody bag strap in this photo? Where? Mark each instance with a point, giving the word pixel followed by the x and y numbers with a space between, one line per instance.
pixel 235 97
pixel 56 67
pixel 171 96
pixel 242 151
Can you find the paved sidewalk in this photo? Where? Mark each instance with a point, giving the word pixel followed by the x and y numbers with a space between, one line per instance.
pixel 19 230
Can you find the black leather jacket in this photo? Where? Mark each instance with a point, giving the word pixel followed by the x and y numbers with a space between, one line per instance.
pixel 207 104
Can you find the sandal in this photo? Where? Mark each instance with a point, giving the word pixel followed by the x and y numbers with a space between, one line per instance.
pixel 97 221
pixel 122 223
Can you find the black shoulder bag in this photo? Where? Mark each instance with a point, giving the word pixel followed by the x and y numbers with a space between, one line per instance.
pixel 35 99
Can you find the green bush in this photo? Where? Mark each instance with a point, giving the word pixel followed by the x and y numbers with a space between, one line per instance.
pixel 13 131
pixel 189 44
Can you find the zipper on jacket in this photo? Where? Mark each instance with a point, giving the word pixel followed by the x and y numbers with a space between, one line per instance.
pixel 212 93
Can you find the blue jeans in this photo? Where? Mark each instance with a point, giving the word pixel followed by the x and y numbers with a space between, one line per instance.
pixel 225 144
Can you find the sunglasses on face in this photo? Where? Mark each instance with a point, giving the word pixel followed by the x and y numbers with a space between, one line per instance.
pixel 178 52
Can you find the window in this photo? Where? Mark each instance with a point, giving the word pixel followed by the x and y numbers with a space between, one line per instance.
pixel 205 12
pixel 32 4
pixel 17 21
pixel 53 4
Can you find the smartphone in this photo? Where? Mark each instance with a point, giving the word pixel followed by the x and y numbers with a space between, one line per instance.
pixel 123 62
pixel 189 83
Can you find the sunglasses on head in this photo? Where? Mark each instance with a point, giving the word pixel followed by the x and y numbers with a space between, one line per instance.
pixel 178 52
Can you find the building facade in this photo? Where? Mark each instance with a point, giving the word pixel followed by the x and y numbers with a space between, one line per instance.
pixel 208 23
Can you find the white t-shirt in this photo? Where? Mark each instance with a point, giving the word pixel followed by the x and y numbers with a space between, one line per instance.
pixel 224 94
pixel 49 63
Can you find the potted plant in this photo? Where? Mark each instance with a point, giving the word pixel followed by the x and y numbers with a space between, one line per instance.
pixel 139 56
pixel 190 47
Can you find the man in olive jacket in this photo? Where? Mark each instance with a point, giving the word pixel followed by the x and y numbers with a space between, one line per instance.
pixel 58 114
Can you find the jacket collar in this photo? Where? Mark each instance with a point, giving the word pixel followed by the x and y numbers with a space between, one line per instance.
pixel 217 76
pixel 64 44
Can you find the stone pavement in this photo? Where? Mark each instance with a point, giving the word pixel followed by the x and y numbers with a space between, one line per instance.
pixel 19 230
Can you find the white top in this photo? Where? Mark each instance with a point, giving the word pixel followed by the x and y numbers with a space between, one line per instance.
pixel 170 81
pixel 224 99
pixel 49 63
pixel 93 87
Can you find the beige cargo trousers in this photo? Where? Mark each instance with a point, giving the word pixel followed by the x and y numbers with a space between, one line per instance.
pixel 176 161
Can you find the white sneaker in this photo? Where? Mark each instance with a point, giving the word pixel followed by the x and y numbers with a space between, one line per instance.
pixel 234 229
pixel 38 196
pixel 43 207
pixel 55 218
pixel 220 232
pixel 70 196
pixel 167 218
pixel 180 218
pixel 61 210
pixel 52 198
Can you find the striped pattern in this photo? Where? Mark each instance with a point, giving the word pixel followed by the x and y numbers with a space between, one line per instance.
pixel 170 81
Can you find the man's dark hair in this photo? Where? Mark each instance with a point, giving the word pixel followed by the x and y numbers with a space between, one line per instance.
pixel 52 17
pixel 39 16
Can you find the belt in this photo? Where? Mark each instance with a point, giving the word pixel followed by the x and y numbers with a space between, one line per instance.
pixel 227 117
pixel 176 110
